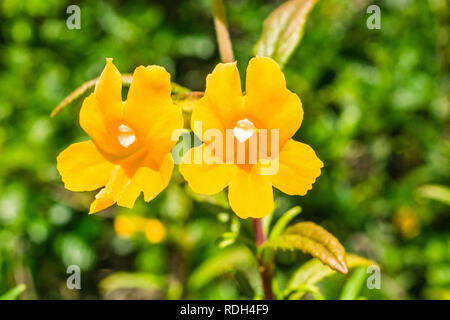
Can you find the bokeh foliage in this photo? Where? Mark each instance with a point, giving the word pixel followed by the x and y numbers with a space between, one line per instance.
pixel 377 113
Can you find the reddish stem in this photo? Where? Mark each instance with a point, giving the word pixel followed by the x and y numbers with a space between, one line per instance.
pixel 264 271
pixel 260 237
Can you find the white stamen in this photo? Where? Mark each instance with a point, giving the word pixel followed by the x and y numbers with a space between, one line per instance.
pixel 124 128
pixel 126 140
pixel 127 137
pixel 244 130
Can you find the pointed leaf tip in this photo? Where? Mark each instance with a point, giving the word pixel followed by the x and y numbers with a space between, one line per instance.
pixel 312 238
pixel 283 30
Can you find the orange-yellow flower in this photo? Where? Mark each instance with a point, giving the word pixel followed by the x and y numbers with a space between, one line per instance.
pixel 267 104
pixel 130 144
pixel 125 226
pixel 154 231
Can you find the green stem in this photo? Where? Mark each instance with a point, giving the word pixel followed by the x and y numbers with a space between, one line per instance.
pixel 264 270
pixel 223 36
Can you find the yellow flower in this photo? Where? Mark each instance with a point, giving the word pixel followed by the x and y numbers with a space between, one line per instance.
pixel 406 222
pixel 124 226
pixel 128 226
pixel 154 231
pixel 267 104
pixel 131 141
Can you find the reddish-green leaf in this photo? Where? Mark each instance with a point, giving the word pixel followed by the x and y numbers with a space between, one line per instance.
pixel 312 238
pixel 283 30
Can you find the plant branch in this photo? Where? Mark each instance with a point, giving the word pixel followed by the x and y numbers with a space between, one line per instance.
pixel 264 269
pixel 182 93
pixel 223 36
pixel 126 79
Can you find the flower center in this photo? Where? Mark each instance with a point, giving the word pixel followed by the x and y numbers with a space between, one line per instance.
pixel 243 130
pixel 126 136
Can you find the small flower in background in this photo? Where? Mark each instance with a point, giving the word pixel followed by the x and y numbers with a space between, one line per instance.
pixel 131 141
pixel 267 104
pixel 406 222
pixel 154 230
pixel 124 226
pixel 128 226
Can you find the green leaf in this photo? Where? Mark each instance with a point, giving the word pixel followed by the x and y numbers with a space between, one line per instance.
pixel 313 271
pixel 227 260
pixel 284 220
pixel 312 238
pixel 230 237
pixel 353 285
pixel 314 290
pixel 14 293
pixel 128 280
pixel 266 221
pixel 178 88
pixel 437 293
pixel 187 100
pixel 244 284
pixel 435 192
pixel 283 30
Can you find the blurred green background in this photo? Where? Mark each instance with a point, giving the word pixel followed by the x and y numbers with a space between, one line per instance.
pixel 377 113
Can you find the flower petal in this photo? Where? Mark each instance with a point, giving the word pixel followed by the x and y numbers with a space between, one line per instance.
pixel 221 106
pixel 298 168
pixel 102 110
pixel 149 110
pixel 268 102
pixel 124 190
pixel 112 191
pixel 109 92
pixel 152 182
pixel 148 97
pixel 83 167
pixel 250 194
pixel 205 177
pixel 96 125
